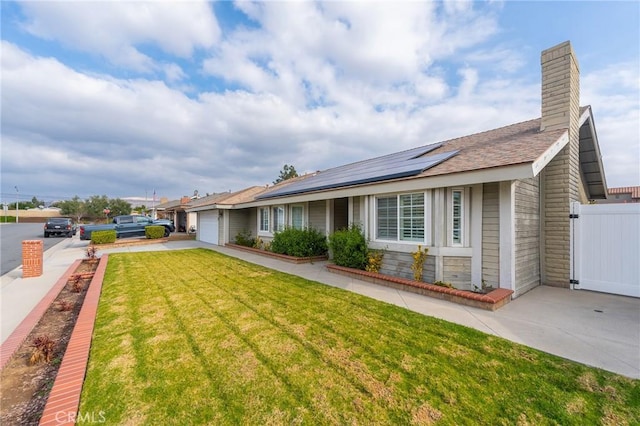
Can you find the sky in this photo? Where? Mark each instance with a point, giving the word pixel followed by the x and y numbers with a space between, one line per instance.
pixel 128 98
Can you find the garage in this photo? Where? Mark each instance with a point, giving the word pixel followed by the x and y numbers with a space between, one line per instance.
pixel 208 226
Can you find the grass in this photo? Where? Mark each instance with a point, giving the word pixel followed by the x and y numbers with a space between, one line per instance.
pixel 195 337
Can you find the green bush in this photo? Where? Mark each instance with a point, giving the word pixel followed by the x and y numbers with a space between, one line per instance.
pixel 154 231
pixel 103 237
pixel 243 238
pixel 299 242
pixel 8 219
pixel 349 248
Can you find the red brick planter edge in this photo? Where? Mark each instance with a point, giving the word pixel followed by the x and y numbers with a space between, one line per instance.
pixel 284 257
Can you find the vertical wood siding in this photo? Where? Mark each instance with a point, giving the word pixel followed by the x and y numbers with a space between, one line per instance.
pixel 239 220
pixel 491 234
pixel 527 234
pixel 317 215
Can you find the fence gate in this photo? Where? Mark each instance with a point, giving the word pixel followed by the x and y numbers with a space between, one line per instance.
pixel 605 248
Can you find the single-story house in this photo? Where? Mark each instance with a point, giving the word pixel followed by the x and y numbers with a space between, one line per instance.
pixel 175 210
pixel 491 207
pixel 625 194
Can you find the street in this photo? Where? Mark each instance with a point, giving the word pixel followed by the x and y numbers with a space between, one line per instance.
pixel 11 237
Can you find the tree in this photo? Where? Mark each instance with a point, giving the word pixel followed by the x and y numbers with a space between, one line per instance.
pixel 287 172
pixel 96 205
pixel 74 207
pixel 119 207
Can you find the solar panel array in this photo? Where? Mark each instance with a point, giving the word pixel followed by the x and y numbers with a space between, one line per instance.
pixel 392 166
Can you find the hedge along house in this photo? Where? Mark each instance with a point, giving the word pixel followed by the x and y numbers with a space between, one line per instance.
pixel 492 207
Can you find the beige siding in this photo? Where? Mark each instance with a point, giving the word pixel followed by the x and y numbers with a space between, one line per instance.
pixel 318 215
pixel 239 220
pixel 457 271
pixel 491 234
pixel 356 210
pixel 399 265
pixel 527 234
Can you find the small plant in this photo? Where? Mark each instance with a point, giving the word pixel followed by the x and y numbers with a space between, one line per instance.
pixel 103 237
pixel 64 306
pixel 443 284
pixel 92 253
pixel 419 256
pixel 76 283
pixel 258 244
pixel 243 238
pixel 374 261
pixel 484 288
pixel 267 246
pixel 43 347
pixel 153 232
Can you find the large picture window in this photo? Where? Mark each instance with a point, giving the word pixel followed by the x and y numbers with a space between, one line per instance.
pixel 456 216
pixel 412 217
pixel 264 219
pixel 401 217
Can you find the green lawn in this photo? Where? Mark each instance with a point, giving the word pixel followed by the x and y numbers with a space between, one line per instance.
pixel 195 337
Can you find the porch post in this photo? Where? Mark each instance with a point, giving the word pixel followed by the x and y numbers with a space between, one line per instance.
pixel 507 235
pixel 476 235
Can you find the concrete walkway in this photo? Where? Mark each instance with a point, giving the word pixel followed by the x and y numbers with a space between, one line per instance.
pixel 596 329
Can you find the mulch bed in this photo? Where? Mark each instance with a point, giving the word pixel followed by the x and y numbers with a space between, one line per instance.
pixel 24 388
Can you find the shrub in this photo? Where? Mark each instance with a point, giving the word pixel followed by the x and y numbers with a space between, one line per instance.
pixel 349 248
pixel 299 242
pixel 103 237
pixel 154 231
pixel 419 256
pixel 43 347
pixel 92 253
pixel 374 261
pixel 243 238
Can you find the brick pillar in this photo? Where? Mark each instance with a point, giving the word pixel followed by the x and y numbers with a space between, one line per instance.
pixel 32 258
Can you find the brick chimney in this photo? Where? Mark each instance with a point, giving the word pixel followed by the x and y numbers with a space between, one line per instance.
pixel 185 200
pixel 560 180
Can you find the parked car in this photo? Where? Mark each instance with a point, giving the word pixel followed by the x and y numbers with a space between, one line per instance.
pixel 131 225
pixel 62 226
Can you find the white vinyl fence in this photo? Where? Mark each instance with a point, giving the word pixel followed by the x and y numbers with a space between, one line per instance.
pixel 605 248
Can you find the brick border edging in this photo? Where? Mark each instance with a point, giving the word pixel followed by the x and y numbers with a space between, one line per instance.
pixel 64 399
pixel 490 301
pixel 284 257
pixel 18 336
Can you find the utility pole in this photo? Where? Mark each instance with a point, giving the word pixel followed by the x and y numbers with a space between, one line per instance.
pixel 17 199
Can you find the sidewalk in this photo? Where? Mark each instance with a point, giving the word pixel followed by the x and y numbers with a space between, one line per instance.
pixel 595 329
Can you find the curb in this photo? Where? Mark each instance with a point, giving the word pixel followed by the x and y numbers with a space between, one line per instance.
pixel 64 400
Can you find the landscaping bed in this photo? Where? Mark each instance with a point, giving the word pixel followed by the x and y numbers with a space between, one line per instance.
pixel 284 257
pixel 25 386
pixel 490 301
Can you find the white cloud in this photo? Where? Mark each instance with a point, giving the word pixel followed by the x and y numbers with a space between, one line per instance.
pixel 118 30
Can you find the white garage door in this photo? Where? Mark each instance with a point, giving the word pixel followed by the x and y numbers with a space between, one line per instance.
pixel 208 227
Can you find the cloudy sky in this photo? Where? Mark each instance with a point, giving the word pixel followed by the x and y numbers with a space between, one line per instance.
pixel 126 97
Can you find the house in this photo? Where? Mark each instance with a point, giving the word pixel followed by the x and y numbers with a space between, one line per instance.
pixel 491 207
pixel 627 194
pixel 175 210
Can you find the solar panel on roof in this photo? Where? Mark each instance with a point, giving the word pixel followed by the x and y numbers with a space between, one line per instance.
pixel 393 166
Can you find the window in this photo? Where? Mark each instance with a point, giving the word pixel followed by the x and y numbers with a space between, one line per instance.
pixel 456 215
pixel 401 217
pixel 412 217
pixel 387 218
pixel 264 219
pixel 297 217
pixel 278 219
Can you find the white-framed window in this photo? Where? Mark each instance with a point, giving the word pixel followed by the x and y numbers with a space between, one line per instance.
pixel 401 217
pixel 457 217
pixel 297 217
pixel 263 215
pixel 278 218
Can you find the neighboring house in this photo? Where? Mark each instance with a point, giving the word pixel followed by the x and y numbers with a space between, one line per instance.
pixel 175 210
pixel 627 194
pixel 492 207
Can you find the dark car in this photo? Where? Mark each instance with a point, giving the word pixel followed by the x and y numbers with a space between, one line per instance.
pixel 63 226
